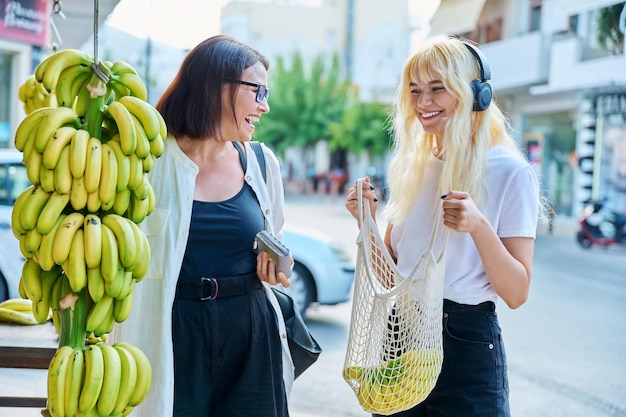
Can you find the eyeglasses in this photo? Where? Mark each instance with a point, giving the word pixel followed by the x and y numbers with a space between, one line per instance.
pixel 262 92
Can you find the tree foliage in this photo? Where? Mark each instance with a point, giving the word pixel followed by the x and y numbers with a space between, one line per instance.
pixel 610 35
pixel 364 126
pixel 304 103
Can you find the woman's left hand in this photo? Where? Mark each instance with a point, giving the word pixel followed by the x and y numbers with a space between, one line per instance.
pixel 266 271
pixel 460 212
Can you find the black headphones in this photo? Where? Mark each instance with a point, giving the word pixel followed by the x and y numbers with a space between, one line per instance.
pixel 481 88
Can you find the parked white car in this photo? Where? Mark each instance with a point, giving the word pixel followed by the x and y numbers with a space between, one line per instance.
pixel 13 180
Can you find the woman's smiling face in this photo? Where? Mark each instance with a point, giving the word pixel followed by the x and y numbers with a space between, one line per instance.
pixel 247 110
pixel 433 104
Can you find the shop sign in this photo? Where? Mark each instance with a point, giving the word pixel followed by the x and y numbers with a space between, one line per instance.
pixel 26 21
pixel 611 104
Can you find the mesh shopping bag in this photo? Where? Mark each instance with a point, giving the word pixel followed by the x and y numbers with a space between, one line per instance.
pixel 394 352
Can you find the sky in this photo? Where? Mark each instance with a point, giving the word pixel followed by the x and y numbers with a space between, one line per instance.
pixel 185 23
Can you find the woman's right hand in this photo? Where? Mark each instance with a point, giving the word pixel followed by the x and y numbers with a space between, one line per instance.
pixel 369 196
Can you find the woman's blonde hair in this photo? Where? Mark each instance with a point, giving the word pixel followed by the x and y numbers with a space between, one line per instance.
pixel 468 134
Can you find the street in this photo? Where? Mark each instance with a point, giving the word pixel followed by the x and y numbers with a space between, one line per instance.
pixel 565 346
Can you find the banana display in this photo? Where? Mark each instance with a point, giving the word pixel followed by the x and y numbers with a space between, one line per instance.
pixel 396 385
pixel 88 140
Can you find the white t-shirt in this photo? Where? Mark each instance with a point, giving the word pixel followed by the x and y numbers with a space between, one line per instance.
pixel 511 208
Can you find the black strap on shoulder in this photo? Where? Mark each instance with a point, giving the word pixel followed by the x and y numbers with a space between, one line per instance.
pixel 256 147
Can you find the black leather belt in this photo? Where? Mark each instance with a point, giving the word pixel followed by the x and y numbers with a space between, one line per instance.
pixel 210 288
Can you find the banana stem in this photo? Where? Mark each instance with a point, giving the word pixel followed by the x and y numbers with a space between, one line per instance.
pixel 73 319
pixel 97 91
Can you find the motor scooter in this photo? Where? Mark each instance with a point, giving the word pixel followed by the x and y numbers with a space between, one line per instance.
pixel 600 226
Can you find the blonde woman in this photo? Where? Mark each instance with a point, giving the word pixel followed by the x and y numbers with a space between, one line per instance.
pixel 452 144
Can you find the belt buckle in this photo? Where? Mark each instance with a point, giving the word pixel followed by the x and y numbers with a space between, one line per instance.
pixel 209 280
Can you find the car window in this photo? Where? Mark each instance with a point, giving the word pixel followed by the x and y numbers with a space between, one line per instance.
pixel 13 180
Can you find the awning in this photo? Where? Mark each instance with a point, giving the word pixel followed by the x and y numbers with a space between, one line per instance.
pixel 455 17
pixel 573 7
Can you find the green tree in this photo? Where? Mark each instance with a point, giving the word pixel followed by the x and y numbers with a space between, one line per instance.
pixel 610 36
pixel 364 126
pixel 303 103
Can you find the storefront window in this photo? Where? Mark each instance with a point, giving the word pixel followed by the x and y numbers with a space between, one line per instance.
pixel 612 175
pixel 550 142
pixel 5 99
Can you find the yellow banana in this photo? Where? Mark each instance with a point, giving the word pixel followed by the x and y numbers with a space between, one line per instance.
pixel 106 326
pixel 46 260
pixel 94 374
pixel 128 379
pixel 126 126
pixel 77 269
pixel 78 152
pixel 162 125
pixel 93 166
pixel 138 208
pixel 141 267
pixel 62 173
pixel 33 207
pixel 110 254
pixel 144 374
pixel 42 309
pixel 56 380
pixel 148 163
pixel 113 287
pixel 95 283
pixel 55 298
pixel 33 167
pixel 16 211
pixel 123 165
pixel 51 212
pixel 93 240
pixel 108 178
pixel 125 237
pixel 128 284
pixel 99 313
pixel 111 381
pixel 119 90
pixel 136 172
pixel 64 236
pixel 24 305
pixel 122 308
pixel 32 240
pixel 78 194
pixel 56 144
pixel 122 201
pixel 143 143
pixel 144 112
pixel 142 191
pixel 29 125
pixel 74 381
pixel 93 202
pixel 50 69
pixel 46 179
pixel 122 67
pixel 59 117
pixel 17 316
pixel 157 146
pixel 134 83
pixel 31 280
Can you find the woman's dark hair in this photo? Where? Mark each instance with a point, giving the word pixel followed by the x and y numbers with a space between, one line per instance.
pixel 192 104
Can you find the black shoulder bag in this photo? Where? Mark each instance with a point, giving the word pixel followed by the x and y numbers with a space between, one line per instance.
pixel 304 348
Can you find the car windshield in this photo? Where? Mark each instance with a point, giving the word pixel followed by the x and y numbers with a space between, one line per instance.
pixel 13 180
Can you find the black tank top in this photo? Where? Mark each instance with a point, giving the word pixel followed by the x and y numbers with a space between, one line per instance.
pixel 221 235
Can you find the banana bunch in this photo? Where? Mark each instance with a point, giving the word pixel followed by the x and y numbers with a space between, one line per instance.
pixel 34 96
pixel 397 384
pixel 100 380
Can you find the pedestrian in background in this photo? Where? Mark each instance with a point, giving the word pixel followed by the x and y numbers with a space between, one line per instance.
pixel 204 314
pixel 453 147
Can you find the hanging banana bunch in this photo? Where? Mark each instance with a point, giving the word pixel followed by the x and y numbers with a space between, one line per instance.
pixel 88 141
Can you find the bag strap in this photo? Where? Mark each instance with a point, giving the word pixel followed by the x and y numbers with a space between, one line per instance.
pixel 258 150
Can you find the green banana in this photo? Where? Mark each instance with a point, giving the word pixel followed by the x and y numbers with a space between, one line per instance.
pixel 99 313
pixel 46 179
pixel 95 284
pixel 143 143
pixel 41 309
pixel 74 381
pixel 31 279
pixel 16 211
pixel 32 240
pixel 133 83
pixel 67 78
pixel 122 308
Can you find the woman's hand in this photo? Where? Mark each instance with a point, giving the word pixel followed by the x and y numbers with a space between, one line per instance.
pixel 266 271
pixel 369 195
pixel 460 212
